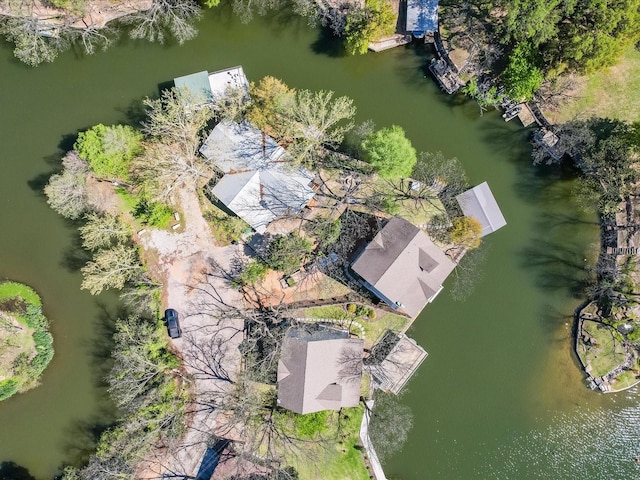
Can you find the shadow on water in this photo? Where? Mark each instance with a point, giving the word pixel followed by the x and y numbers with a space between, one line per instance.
pixel 13 471
pixel 328 44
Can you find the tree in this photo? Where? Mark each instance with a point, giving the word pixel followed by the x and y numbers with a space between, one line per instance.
pixel 103 231
pixel 390 152
pixel 173 17
pixel 390 424
pixel 109 150
pixel 112 268
pixel 522 78
pixel 35 43
pixel 171 156
pixel 269 97
pixel 314 121
pixel 246 9
pixel 287 253
pixel 364 25
pixel 466 232
pixel 67 191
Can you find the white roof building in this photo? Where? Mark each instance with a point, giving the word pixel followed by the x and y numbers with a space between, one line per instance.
pixel 214 85
pixel 480 204
pixel 258 186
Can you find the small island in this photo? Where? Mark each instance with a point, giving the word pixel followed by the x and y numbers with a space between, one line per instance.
pixel 26 346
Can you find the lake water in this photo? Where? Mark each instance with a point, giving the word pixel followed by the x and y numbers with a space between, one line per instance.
pixel 500 395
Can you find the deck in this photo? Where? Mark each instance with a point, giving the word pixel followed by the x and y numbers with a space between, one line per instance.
pixel 390 42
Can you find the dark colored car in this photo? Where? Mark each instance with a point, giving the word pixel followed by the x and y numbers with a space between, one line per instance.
pixel 173 324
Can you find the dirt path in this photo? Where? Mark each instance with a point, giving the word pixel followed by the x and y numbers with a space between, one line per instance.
pixel 192 267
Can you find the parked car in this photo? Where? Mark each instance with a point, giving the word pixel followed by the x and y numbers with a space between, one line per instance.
pixel 173 323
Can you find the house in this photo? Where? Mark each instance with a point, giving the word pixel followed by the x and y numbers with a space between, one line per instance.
pixel 319 370
pixel 402 267
pixel 258 185
pixel 480 204
pixel 422 17
pixel 213 85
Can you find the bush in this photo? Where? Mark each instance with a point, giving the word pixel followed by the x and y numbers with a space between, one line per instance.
pixel 371 314
pixel 253 272
pixel 351 307
pixel 154 214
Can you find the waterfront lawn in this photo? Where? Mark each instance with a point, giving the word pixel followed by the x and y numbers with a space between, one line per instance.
pixel 343 459
pixel 625 380
pixel 606 353
pixel 373 328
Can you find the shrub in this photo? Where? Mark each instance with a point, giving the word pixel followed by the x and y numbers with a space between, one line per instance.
pixel 371 314
pixel 286 253
pixel 253 272
pixel 351 307
pixel 154 214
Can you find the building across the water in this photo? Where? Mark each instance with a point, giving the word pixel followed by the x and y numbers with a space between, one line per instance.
pixel 213 85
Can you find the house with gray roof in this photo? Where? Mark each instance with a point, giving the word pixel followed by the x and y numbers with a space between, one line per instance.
pixel 259 186
pixel 213 85
pixel 319 370
pixel 402 267
pixel 480 204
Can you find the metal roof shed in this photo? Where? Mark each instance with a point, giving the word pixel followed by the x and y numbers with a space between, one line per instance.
pixel 422 17
pixel 197 83
pixel 480 204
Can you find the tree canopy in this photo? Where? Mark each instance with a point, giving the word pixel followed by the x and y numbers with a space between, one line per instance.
pixel 109 150
pixel 390 152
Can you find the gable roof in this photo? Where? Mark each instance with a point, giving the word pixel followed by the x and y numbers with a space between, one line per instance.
pixel 261 196
pixel 236 147
pixel 422 16
pixel 480 204
pixel 319 371
pixel 403 266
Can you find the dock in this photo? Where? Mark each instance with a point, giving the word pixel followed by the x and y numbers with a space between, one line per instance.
pixel 390 42
pixel 445 75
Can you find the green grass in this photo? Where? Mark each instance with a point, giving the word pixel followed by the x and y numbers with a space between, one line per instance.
pixel 624 380
pixel 373 328
pixel 611 93
pixel 153 214
pixel 13 289
pixel 343 460
pixel 606 354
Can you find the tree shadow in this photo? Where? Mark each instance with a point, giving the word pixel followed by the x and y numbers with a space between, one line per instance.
pixel 13 471
pixel 328 44
pixel 75 256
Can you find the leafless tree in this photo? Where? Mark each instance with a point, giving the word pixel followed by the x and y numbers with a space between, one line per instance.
pixel 173 17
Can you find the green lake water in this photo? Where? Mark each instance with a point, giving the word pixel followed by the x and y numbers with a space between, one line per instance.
pixel 500 395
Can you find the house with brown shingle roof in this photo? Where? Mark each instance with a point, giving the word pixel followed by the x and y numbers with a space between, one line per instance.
pixel 319 370
pixel 402 267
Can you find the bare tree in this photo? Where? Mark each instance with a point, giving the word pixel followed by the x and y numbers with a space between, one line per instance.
pixel 101 231
pixel 67 193
pixel 113 267
pixel 173 17
pixel 175 123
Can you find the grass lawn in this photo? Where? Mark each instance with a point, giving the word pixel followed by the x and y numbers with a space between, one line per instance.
pixel 624 380
pixel 611 93
pixel 343 459
pixel 606 354
pixel 373 328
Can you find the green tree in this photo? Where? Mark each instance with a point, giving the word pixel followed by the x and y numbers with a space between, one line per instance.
pixel 466 232
pixel 269 97
pixel 287 253
pixel 390 152
pixel 109 150
pixel 364 25
pixel 522 78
